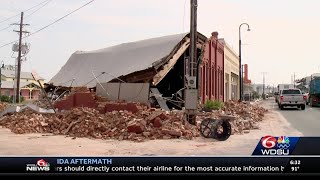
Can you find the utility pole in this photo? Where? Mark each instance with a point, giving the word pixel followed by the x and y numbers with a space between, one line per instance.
pixel 191 92
pixel 193 38
pixel 294 80
pixel 21 32
pixel 264 82
pixel 242 82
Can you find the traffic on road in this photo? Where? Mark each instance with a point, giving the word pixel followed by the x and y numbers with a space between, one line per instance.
pixel 306 121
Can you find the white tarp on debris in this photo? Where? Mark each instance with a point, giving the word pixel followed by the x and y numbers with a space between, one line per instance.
pixel 123 59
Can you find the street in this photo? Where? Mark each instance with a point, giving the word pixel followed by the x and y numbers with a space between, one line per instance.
pixel 307 121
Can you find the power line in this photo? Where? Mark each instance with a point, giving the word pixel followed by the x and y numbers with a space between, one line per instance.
pixel 8 43
pixel 6 28
pixel 184 15
pixel 45 3
pixel 38 9
pixel 50 23
pixel 7 19
pixel 60 18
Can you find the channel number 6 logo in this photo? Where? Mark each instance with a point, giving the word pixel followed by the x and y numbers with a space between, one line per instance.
pixel 268 142
pixel 42 162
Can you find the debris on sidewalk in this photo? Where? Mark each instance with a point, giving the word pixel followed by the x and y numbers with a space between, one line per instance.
pixel 130 121
pixel 2 106
pixel 86 122
pixel 246 116
pixel 242 116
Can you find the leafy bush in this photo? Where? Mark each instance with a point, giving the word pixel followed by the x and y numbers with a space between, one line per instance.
pixel 9 99
pixel 214 105
pixel 5 99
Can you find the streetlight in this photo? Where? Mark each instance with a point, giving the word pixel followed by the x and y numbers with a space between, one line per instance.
pixel 240 63
pixel 2 66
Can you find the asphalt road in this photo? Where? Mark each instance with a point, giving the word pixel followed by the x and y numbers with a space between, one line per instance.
pixel 307 121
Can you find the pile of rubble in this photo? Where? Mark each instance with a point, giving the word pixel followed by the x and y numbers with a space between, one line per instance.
pixel 246 116
pixel 2 106
pixel 242 116
pixel 146 123
pixel 43 103
pixel 85 122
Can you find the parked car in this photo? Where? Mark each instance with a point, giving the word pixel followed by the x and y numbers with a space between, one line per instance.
pixel 291 98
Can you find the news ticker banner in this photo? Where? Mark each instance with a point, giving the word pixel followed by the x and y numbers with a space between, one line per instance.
pixel 273 154
pixel 158 165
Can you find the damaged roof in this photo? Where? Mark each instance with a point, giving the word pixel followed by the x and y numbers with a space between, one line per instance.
pixel 23 75
pixel 84 68
pixel 11 84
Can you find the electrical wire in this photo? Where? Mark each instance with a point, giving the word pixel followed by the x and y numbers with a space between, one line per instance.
pixel 60 18
pixel 38 9
pixel 50 23
pixel 7 19
pixel 184 15
pixel 6 28
pixel 9 43
pixel 11 17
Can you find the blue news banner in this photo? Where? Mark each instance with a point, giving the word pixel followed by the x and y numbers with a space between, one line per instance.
pixel 272 155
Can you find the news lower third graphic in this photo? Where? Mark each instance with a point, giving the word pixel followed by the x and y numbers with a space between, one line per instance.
pixel 41 165
pixel 83 165
pixel 159 165
pixel 276 146
pixel 273 155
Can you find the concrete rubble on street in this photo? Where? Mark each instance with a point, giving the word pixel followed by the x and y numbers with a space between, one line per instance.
pixel 128 121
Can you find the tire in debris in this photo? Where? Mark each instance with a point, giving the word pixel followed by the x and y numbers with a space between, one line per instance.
pixel 217 129
pixel 222 130
pixel 206 128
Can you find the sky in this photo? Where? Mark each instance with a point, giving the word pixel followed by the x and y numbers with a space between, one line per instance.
pixel 284 37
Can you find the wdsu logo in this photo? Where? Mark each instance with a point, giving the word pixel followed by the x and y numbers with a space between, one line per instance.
pixel 270 145
pixel 275 146
pixel 41 165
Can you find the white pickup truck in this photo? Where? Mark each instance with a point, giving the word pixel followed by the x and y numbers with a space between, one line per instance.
pixel 292 97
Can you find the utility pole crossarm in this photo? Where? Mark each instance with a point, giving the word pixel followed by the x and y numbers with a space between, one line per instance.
pixel 22 31
pixel 18 24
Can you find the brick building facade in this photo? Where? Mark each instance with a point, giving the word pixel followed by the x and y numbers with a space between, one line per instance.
pixel 212 70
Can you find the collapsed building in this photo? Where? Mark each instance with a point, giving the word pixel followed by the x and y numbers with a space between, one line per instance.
pixel 151 71
pixel 148 71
